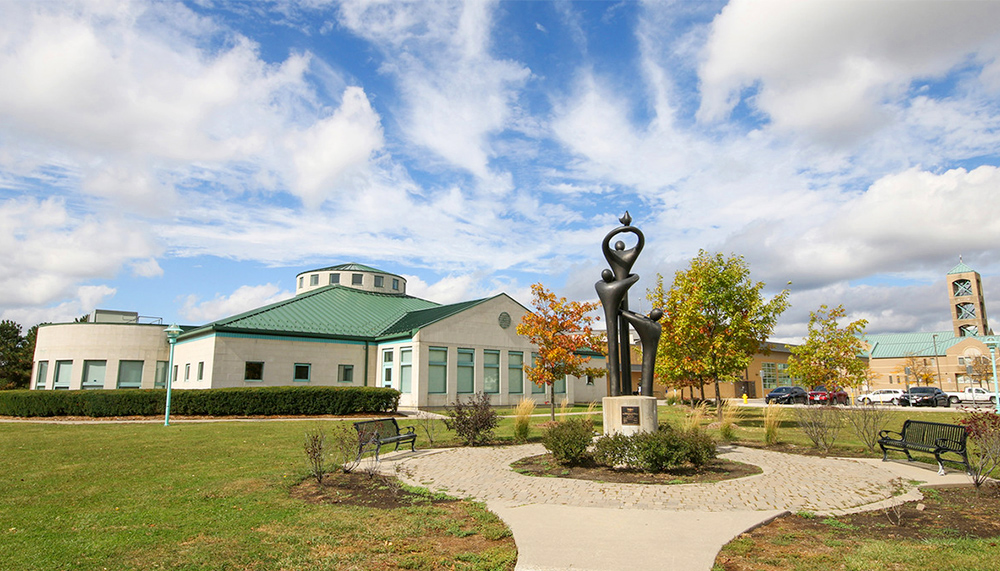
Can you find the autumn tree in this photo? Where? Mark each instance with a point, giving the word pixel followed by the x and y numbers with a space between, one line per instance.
pixel 918 368
pixel 715 319
pixel 561 331
pixel 831 354
pixel 982 369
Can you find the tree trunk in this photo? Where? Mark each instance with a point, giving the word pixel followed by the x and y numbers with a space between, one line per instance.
pixel 552 401
pixel 701 389
pixel 718 400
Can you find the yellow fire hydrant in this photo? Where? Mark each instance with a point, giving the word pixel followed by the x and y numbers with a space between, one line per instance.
pixel 744 398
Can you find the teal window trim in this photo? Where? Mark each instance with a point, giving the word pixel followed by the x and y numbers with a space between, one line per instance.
pixel 90 373
pixel 515 372
pixel 301 372
pixel 41 374
pixel 406 370
pixel 253 372
pixel 491 371
pixel 387 365
pixel 437 370
pixel 63 374
pixel 345 373
pixel 130 374
pixel 466 381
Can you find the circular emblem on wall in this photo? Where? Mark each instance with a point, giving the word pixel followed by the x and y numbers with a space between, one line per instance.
pixel 504 320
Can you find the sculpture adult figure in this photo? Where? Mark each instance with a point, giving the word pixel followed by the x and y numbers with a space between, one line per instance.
pixel 621 261
pixel 649 329
pixel 612 294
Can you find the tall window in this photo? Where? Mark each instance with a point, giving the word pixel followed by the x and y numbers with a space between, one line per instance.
pixel 187 372
pixel 64 372
pixel 302 281
pixel 334 279
pixel 395 284
pixel 515 372
pixel 379 281
pixel 160 378
pixel 405 370
pixel 437 370
pixel 491 372
pixel 387 368
pixel 201 370
pixel 252 371
pixel 93 374
pixel 356 279
pixel 129 374
pixel 301 372
pixel 466 371
pixel 314 280
pixel 42 374
pixel 345 373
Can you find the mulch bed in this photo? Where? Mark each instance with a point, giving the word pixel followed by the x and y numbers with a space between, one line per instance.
pixel 715 470
pixel 954 512
pixel 360 489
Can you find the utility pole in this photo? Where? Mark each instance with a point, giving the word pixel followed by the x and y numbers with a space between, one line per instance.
pixel 937 363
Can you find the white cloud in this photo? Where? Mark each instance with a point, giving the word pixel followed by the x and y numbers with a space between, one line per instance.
pixel 837 69
pixel 243 299
pixel 83 301
pixel 148 268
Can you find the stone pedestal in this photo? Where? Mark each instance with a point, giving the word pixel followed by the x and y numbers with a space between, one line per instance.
pixel 629 414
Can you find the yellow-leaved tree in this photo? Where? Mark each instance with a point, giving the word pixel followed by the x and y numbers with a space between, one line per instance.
pixel 561 331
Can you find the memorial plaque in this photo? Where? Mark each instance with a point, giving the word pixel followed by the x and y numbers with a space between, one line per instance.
pixel 630 416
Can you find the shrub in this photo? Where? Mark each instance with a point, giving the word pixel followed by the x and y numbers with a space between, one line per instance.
pixel 475 421
pixel 522 419
pixel 212 402
pixel 822 424
pixel 731 414
pixel 772 420
pixel 655 451
pixel 983 430
pixel 568 440
pixel 314 446
pixel 343 444
pixel 868 420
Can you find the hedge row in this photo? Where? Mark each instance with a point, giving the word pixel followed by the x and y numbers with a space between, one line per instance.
pixel 262 401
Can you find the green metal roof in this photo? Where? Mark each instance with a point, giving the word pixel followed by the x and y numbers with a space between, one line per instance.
pixel 409 324
pixel 330 311
pixel 961 269
pixel 896 345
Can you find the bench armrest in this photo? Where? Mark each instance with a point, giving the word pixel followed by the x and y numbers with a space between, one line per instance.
pixel 886 433
pixel 404 430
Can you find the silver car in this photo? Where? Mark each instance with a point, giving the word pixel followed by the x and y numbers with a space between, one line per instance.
pixel 880 396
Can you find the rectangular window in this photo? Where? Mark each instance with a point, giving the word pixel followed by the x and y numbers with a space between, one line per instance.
pixel 93 374
pixel 437 370
pixel 465 383
pixel 302 281
pixel 201 370
pixel 395 284
pixel 491 372
pixel 387 368
pixel 160 378
pixel 63 374
pixel 345 373
pixel 784 379
pixel 405 370
pixel 515 373
pixel 314 280
pixel 356 279
pixel 535 389
pixel 961 360
pixel 769 375
pixel 173 379
pixel 253 371
pixel 41 376
pixel 129 374
pixel 379 281
pixel 559 386
pixel 187 372
pixel 302 372
pixel 334 279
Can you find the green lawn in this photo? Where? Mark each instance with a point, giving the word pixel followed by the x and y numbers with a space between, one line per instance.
pixel 193 496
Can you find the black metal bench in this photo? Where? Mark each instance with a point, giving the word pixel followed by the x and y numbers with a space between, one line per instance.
pixel 933 437
pixel 382 431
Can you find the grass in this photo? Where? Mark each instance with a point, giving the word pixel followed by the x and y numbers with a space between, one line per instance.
pixel 199 496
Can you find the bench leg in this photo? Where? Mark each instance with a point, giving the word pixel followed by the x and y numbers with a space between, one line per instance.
pixel 940 468
pixel 908 457
pixel 885 453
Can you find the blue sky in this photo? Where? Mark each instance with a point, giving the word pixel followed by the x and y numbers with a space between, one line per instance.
pixel 186 159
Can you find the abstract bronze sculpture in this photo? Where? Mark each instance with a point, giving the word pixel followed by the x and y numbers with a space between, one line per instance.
pixel 612 290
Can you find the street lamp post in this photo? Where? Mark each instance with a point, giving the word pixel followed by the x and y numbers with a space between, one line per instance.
pixel 937 363
pixel 991 344
pixel 172 332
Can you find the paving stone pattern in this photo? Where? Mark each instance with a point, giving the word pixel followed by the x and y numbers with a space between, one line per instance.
pixel 788 482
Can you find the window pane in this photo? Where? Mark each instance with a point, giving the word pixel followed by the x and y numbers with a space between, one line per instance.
pixel 302 371
pixel 93 374
pixel 491 372
pixel 559 387
pixel 466 371
pixel 356 279
pixel 437 370
pixel 395 284
pixel 515 373
pixel 314 279
pixel 405 370
pixel 129 374
pixel 201 370
pixel 254 371
pixel 334 279
pixel 379 281
pixel 42 375
pixel 345 373
pixel 160 379
pixel 64 372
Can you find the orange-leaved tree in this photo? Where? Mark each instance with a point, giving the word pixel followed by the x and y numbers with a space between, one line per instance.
pixel 561 331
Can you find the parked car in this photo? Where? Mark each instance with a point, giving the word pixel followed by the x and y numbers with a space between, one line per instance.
pixel 820 395
pixel 972 394
pixel 924 396
pixel 787 395
pixel 880 396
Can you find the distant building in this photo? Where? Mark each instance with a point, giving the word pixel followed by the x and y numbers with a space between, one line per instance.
pixel 348 325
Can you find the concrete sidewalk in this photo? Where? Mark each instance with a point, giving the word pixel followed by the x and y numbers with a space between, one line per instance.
pixel 561 524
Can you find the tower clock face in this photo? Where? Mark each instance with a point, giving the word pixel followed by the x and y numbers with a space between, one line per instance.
pixel 504 320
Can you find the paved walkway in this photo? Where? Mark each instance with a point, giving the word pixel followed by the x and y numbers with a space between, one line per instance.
pixel 561 523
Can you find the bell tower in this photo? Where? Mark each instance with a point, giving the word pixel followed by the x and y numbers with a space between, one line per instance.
pixel 965 294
